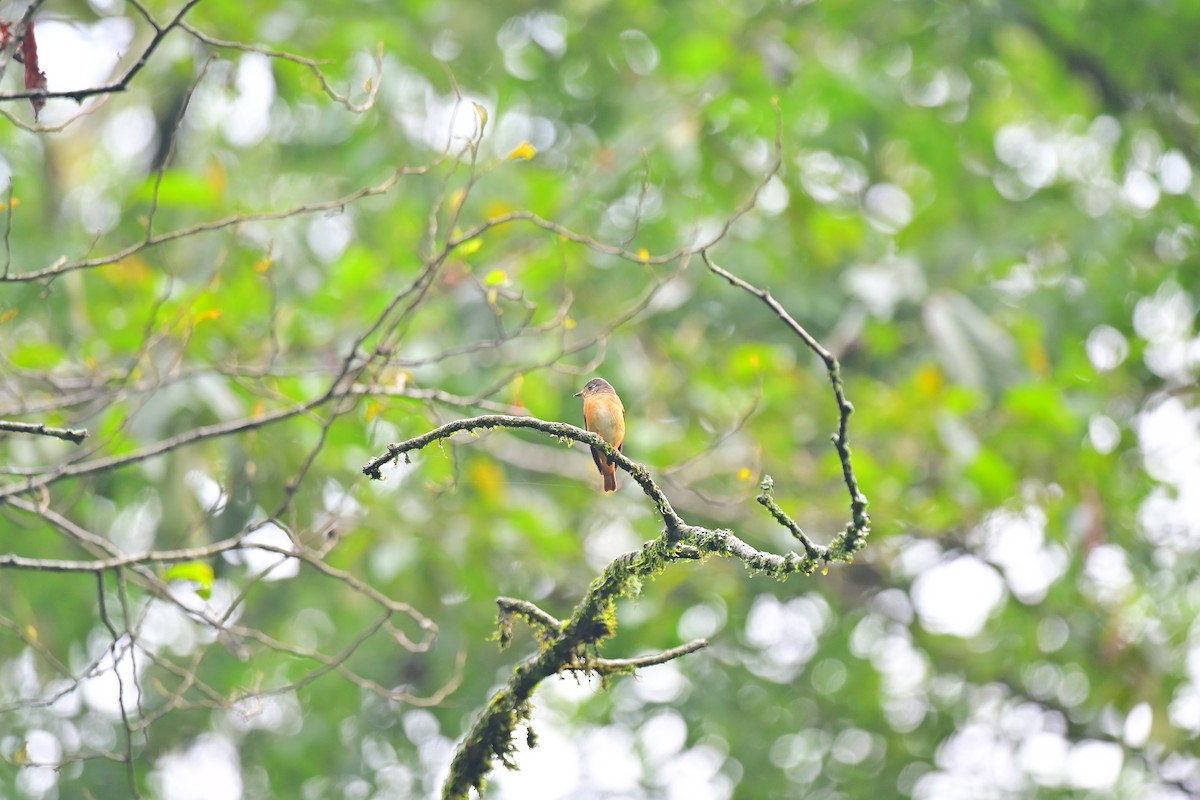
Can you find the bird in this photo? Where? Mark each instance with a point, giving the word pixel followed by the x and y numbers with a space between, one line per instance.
pixel 603 414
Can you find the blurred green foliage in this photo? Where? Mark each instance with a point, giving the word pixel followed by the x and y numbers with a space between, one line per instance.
pixel 987 210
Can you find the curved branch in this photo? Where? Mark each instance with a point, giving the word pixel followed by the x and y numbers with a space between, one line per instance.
pixel 63 265
pixel 677 529
pixel 564 646
pixel 513 607
pixel 854 536
pixel 160 33
pixel 624 666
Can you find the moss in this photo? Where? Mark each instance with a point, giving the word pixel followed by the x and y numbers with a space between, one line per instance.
pixel 493 740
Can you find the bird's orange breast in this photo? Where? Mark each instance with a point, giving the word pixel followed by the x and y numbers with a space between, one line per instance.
pixel 607 418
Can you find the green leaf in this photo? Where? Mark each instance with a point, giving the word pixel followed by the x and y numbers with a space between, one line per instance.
pixel 198 572
pixel 180 190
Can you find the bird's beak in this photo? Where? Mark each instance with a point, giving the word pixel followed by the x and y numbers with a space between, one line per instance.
pixel 579 394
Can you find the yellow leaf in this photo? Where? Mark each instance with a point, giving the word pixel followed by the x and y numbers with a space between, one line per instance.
pixel 6 316
pixel 367 84
pixel 569 324
pixel 129 271
pixel 496 277
pixel 516 398
pixel 744 474
pixel 482 113
pixel 259 409
pixel 929 380
pixel 487 478
pixel 754 360
pixel 456 199
pixel 31 633
pixel 16 201
pixel 496 209
pixel 825 570
pixel 643 255
pixel 1038 360
pixel 373 409
pixel 215 176
pixel 205 316
pixel 263 264
pixel 524 150
pixel 470 246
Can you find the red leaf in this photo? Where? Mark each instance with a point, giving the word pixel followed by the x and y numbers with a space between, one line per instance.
pixel 27 54
pixel 34 77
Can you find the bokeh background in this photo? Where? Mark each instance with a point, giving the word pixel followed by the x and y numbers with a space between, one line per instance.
pixel 987 210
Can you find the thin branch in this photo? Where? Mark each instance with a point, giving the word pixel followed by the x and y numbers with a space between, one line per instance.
pixel 313 66
pixel 172 141
pixel 545 624
pixel 676 527
pixel 121 85
pixel 76 435
pixel 63 265
pixel 8 215
pixel 37 481
pixel 860 525
pixel 621 666
pixel 117 653
pixel 767 501
pixel 528 611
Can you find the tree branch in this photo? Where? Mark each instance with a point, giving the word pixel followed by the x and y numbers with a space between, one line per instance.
pixel 160 32
pixel 676 528
pixel 854 536
pixel 511 607
pixel 76 435
pixel 624 666
pixel 563 645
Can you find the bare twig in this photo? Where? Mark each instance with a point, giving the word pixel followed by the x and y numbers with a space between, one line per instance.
pixel 621 666
pixel 313 66
pixel 63 265
pixel 76 435
pixel 860 524
pixel 121 85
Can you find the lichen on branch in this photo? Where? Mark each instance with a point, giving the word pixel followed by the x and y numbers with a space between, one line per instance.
pixel 571 646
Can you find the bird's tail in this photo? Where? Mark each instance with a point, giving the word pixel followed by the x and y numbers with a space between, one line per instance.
pixel 610 478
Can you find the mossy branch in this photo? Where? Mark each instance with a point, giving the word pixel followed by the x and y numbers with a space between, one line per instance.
pixel 565 646
pixel 676 527
pixel 853 537
pixel 570 645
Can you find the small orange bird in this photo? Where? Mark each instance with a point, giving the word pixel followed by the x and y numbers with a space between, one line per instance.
pixel 603 414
